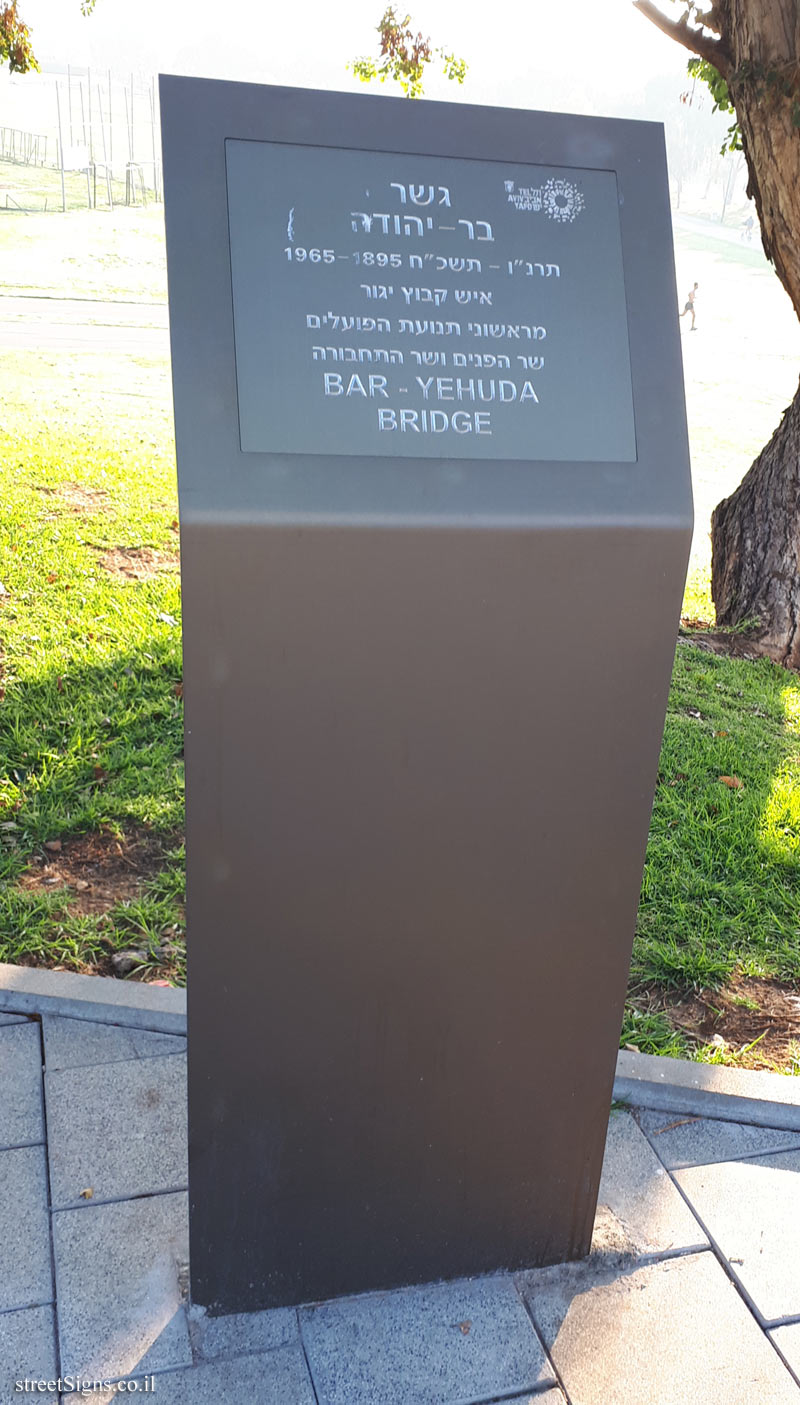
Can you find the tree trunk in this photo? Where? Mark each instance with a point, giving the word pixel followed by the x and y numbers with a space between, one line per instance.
pixel 755 45
pixel 755 533
pixel 763 38
pixel 755 547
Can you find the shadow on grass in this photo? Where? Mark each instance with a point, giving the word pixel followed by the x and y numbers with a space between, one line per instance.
pixel 95 751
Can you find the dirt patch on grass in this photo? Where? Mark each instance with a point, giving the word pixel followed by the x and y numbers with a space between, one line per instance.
pixel 92 874
pixel 76 497
pixel 98 870
pixel 754 1023
pixel 137 563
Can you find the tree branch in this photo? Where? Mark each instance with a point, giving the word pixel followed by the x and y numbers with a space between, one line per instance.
pixel 710 19
pixel 714 50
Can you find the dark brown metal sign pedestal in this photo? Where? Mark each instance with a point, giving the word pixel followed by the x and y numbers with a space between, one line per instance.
pixel 426 669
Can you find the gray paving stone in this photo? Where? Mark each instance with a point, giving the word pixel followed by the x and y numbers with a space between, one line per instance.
pixel 696 1141
pixel 27 1351
pixel 241 1332
pixel 637 1196
pixel 277 1377
pixel 550 1397
pixel 21 1119
pixel 12 1019
pixel 660 1333
pixel 117 1131
pixel 787 1340
pixel 752 1210
pixel 71 1043
pixel 119 1275
pixel 435 1345
pixel 26 1276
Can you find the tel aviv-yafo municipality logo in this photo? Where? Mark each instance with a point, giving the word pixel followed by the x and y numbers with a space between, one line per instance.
pixel 559 199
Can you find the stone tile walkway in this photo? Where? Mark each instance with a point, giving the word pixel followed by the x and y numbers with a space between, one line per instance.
pixel 691 1293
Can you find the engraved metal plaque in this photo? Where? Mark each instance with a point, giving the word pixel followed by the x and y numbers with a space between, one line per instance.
pixel 427 307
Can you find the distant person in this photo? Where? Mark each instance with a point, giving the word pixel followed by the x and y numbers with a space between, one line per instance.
pixel 690 297
pixel 748 228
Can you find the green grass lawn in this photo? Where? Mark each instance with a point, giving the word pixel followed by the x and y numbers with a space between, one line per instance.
pixel 90 722
pixel 91 719
pixel 113 254
pixel 720 887
pixel 38 188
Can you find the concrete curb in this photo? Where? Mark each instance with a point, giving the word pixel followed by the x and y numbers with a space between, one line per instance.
pixel 643 1080
pixel 26 990
pixel 708 1090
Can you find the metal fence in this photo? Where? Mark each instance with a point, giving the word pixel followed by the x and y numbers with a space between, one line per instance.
pixel 101 145
pixel 26 148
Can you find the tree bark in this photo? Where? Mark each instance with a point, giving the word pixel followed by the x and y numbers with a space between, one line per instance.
pixel 755 533
pixel 755 545
pixel 755 566
pixel 764 36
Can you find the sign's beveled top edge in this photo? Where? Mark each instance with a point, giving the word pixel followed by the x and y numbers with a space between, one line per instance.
pixel 419 113
pixel 418 106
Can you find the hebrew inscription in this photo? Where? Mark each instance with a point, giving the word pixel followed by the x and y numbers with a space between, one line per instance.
pixel 427 307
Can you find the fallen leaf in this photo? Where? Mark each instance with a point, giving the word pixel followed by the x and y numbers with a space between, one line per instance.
pixel 464 1327
pixel 53 846
pixel 99 773
pixel 178 690
pixel 52 577
pixel 60 684
pixel 634 1048
pixel 87 1193
pixel 722 734
pixel 732 782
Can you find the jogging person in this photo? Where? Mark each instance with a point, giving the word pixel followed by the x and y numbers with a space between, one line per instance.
pixel 690 297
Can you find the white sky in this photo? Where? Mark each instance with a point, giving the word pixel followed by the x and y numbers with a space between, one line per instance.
pixel 589 55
